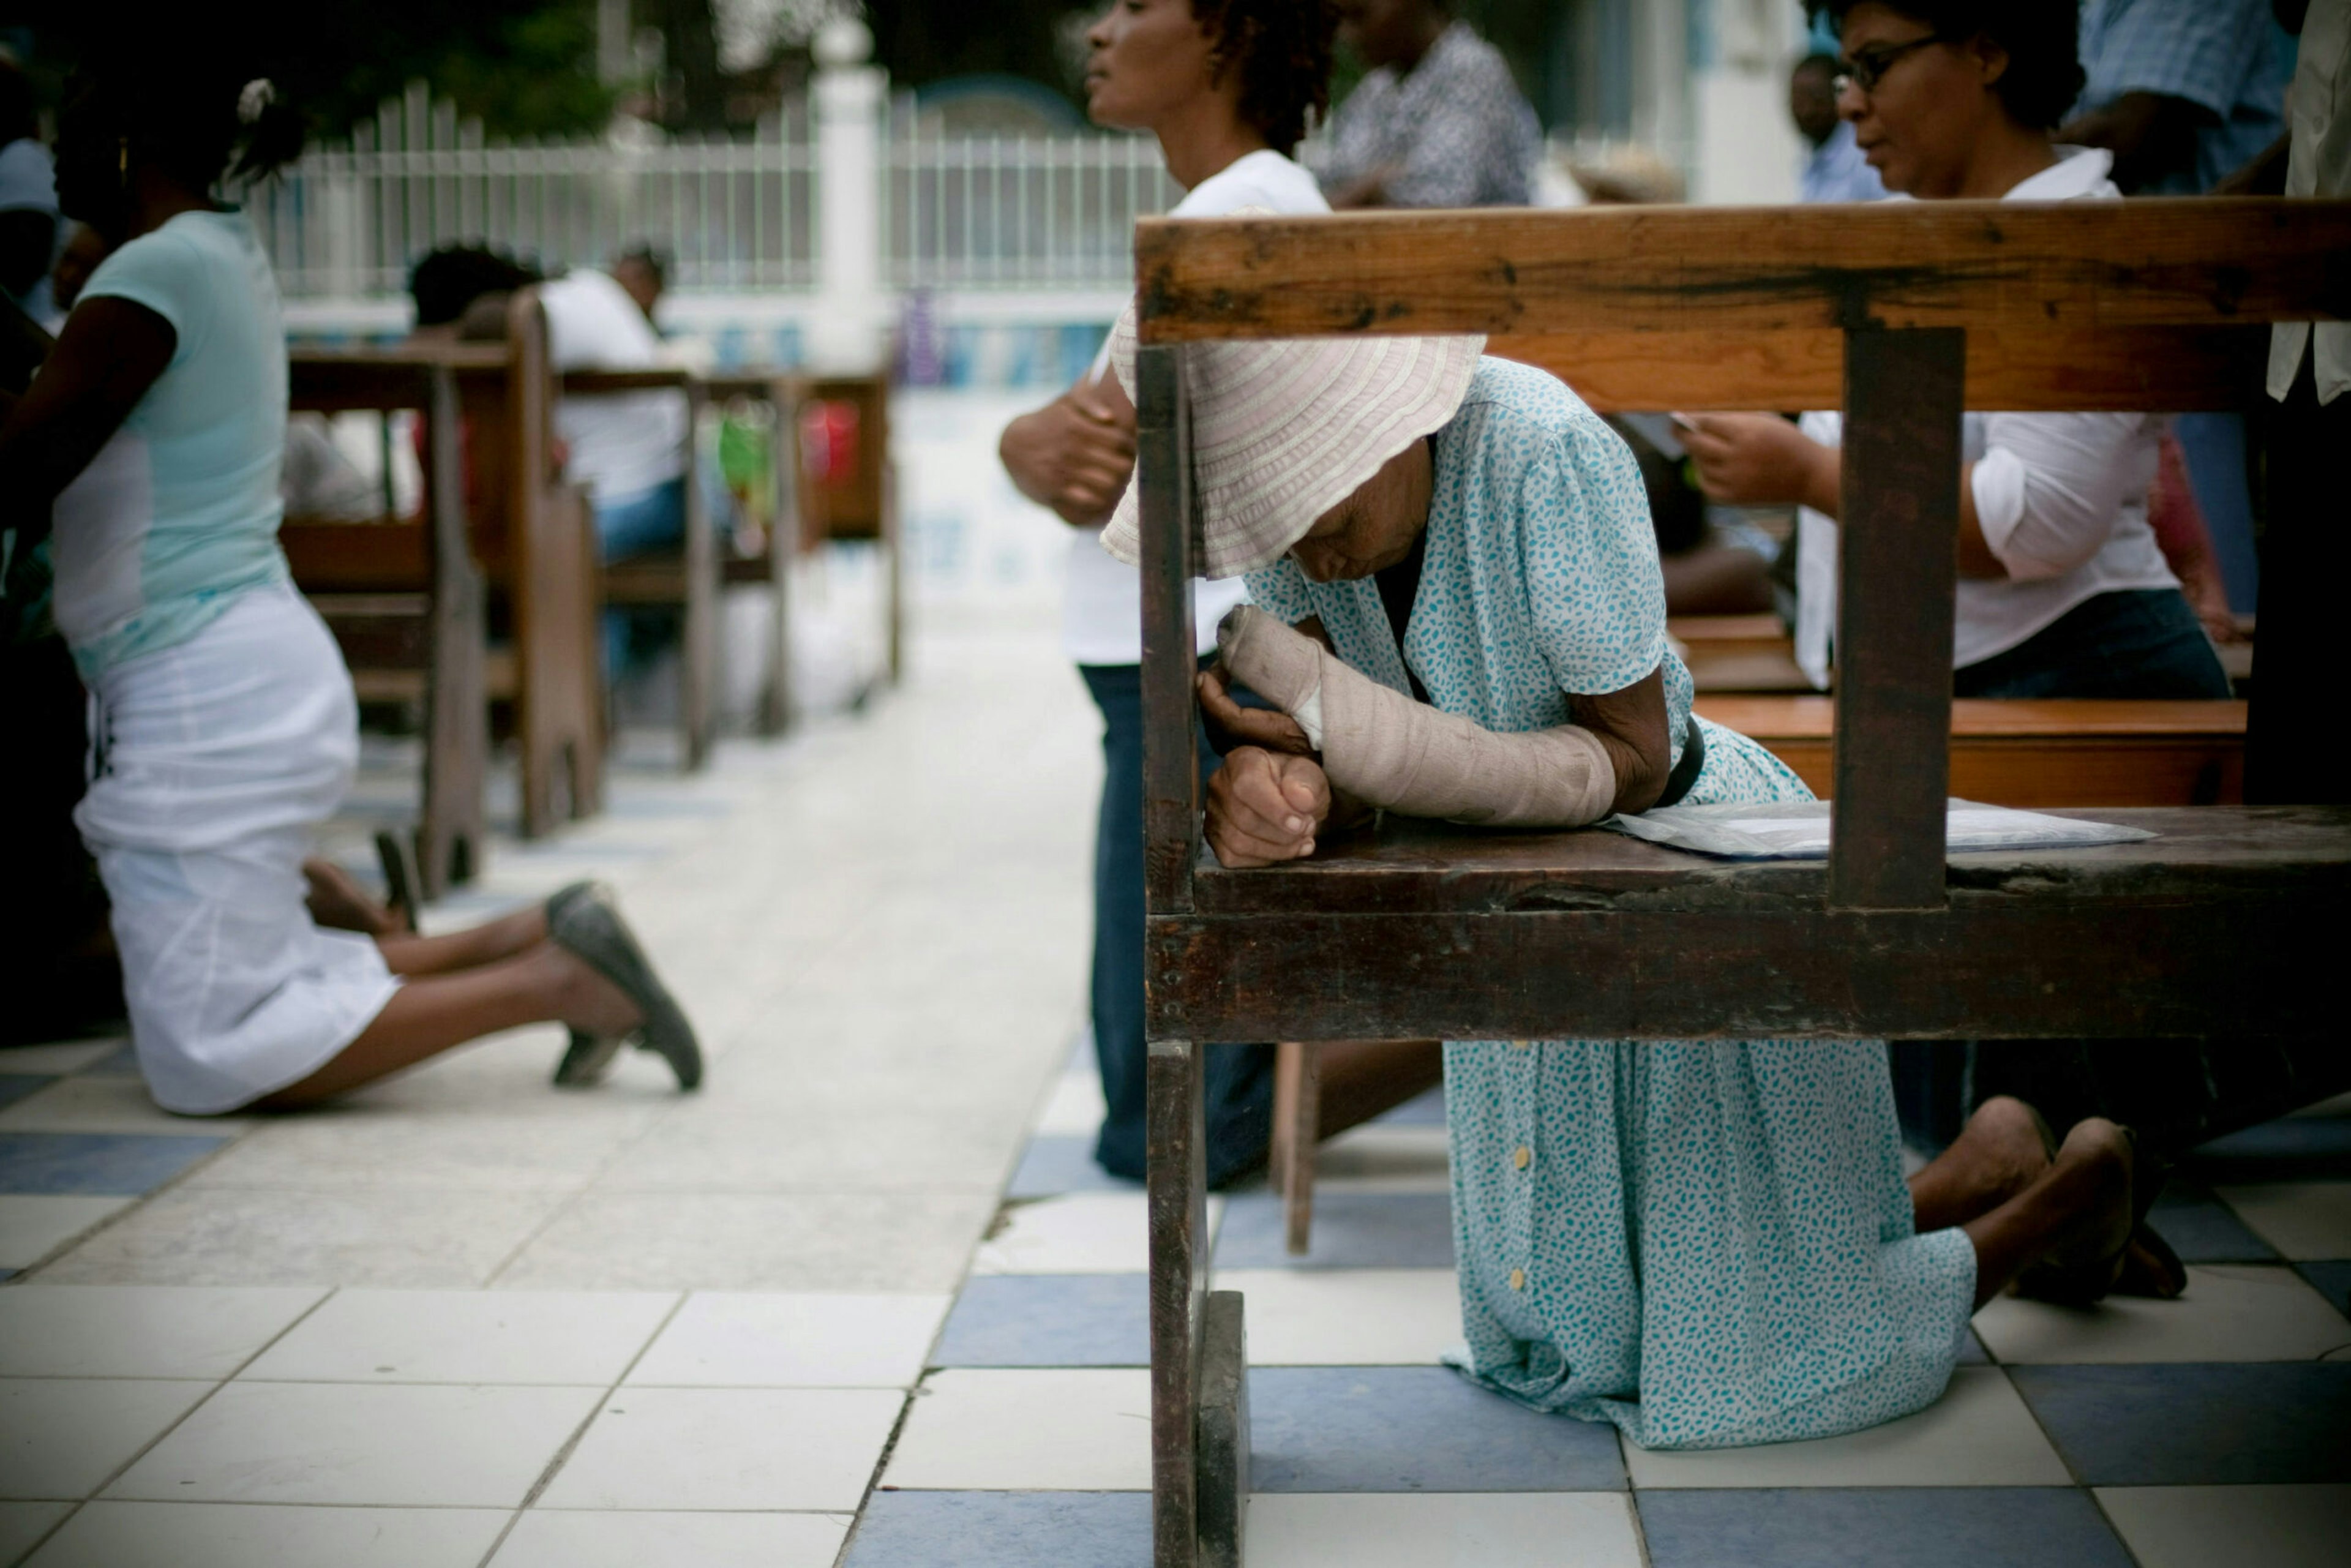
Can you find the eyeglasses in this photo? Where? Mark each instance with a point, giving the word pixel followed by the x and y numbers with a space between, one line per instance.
pixel 1866 69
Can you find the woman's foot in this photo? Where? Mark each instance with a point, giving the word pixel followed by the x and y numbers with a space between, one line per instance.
pixel 2003 1150
pixel 2090 1186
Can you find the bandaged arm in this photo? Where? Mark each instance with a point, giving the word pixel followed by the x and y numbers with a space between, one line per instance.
pixel 1383 747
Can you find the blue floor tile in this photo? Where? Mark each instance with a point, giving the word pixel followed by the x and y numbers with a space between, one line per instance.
pixel 2293 1149
pixel 1351 1230
pixel 7 1273
pixel 2203 1230
pixel 15 1086
pixel 2204 1424
pixel 1919 1527
pixel 1423 1111
pixel 95 1162
pixel 123 1063
pixel 1060 1163
pixel 1003 1529
pixel 2332 1280
pixel 1971 1351
pixel 1048 1320
pixel 1414 1428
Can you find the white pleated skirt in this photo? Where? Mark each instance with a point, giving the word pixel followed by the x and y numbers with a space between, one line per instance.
pixel 213 764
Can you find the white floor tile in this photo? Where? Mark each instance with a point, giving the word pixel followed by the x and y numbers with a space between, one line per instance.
pixel 141 1331
pixel 245 1536
pixel 1057 1430
pixel 1391 1530
pixel 199 1236
pixel 107 1104
pixel 745 1340
pixel 1347 1317
pixel 1980 1434
pixel 581 1338
pixel 1083 1233
pixel 63 1437
pixel 2232 1527
pixel 2230 1313
pixel 34 1225
pixel 22 1524
pixel 929 1144
pixel 2303 1219
pixel 754 1241
pixel 363 1150
pixel 728 1449
pixel 339 1444
pixel 606 1539
pixel 1075 1107
pixel 67 1056
pixel 1381 1158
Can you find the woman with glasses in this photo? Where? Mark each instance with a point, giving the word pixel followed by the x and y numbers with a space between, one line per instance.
pixel 2063 591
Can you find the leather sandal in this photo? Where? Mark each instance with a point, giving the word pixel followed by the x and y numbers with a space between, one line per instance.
pixel 581 919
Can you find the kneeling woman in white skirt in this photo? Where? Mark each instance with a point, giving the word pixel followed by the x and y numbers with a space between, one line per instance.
pixel 224 727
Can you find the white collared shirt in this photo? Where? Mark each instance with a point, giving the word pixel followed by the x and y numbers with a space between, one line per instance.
pixel 2318 163
pixel 2061 498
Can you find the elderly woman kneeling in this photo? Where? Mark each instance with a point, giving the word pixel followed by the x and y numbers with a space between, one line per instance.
pixel 1458 612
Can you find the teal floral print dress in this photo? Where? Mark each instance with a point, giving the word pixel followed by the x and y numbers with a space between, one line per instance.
pixel 1706 1242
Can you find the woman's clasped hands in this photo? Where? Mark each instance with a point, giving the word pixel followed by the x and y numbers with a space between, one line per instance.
pixel 1270 798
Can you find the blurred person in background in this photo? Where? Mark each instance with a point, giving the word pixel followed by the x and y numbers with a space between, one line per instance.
pixel 1438 122
pixel 28 200
pixel 2182 92
pixel 223 728
pixel 1835 171
pixel 1227 86
pixel 644 277
pixel 78 258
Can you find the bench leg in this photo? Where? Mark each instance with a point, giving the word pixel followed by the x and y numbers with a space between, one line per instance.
pixel 698 659
pixel 1224 1433
pixel 1177 1198
pixel 1297 1116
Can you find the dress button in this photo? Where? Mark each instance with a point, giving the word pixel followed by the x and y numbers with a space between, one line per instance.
pixel 1520 1155
pixel 1518 1279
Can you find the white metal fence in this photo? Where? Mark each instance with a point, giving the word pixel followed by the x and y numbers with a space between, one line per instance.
pixel 734 214
pixel 1030 212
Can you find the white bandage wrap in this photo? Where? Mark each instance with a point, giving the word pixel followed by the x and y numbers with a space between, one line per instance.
pixel 1383 747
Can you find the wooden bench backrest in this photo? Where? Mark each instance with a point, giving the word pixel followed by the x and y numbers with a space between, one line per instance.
pixel 1938 306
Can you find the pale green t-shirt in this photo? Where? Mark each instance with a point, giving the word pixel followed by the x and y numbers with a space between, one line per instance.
pixel 178 514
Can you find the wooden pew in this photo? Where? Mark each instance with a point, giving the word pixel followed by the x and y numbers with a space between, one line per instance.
pixel 862 504
pixel 2058 752
pixel 1738 653
pixel 504 537
pixel 1902 315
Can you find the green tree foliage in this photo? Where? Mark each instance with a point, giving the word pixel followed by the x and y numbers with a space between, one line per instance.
pixel 524 68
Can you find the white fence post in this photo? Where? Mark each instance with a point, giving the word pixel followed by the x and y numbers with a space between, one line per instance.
pixel 848 332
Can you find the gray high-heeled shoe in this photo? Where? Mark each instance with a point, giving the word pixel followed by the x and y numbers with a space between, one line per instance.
pixel 583 919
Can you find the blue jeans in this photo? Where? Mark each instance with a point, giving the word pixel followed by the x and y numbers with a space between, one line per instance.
pixel 632 525
pixel 2138 643
pixel 1239 1076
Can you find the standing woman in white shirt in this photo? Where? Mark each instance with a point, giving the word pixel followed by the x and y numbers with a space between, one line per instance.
pixel 223 728
pixel 2063 590
pixel 1227 86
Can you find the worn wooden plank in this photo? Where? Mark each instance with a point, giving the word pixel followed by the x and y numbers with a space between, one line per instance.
pixel 1895 575
pixel 1176 1188
pixel 455 828
pixel 1224 1431
pixel 1439 869
pixel 1171 778
pixel 2166 370
pixel 2196 262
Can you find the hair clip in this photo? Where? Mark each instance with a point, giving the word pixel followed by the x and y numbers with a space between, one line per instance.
pixel 255 96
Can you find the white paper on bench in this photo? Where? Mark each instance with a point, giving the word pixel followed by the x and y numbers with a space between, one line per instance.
pixel 1799 830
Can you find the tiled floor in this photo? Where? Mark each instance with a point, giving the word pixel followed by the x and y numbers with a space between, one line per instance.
pixel 2214 1430
pixel 867 1301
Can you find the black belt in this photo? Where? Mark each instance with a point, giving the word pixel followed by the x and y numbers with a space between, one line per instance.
pixel 1684 777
